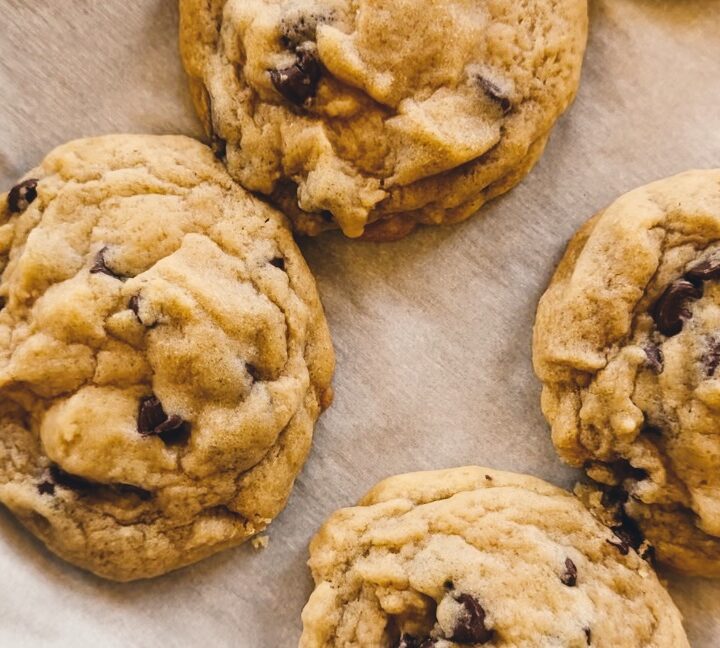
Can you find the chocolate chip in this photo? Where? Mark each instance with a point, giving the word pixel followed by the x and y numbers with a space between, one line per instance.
pixel 327 216
pixel 628 531
pixel 134 306
pixel 488 478
pixel 708 269
pixel 669 311
pixel 298 82
pixel 492 90
pixel 46 488
pixel 448 585
pixel 588 635
pixel 711 357
pixel 100 266
pixel 409 641
pixel 278 262
pixel 647 553
pixel 621 546
pixel 569 578
pixel 152 420
pixel 3 301
pixel 470 625
pixel 655 359
pixel 67 480
pixel 21 195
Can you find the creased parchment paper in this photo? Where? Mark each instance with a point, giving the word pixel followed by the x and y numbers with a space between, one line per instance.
pixel 432 333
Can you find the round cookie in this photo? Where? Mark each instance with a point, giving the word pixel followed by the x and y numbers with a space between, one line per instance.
pixel 163 356
pixel 374 116
pixel 627 345
pixel 472 556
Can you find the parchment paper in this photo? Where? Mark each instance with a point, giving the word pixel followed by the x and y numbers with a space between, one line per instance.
pixel 432 333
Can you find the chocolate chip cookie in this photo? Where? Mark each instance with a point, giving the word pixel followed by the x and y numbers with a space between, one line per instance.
pixel 627 345
pixel 472 556
pixel 163 356
pixel 374 116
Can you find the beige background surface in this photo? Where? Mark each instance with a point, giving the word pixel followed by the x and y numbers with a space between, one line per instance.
pixel 432 333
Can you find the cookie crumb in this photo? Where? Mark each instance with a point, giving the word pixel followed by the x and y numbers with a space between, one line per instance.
pixel 260 542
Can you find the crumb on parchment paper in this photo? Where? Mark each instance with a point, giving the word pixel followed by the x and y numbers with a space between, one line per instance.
pixel 260 542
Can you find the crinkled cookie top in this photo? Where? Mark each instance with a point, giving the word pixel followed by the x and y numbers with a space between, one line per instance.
pixel 163 355
pixel 471 557
pixel 360 110
pixel 627 344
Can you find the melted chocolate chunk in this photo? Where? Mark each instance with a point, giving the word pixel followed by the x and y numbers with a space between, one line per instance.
pixel 152 420
pixel 569 578
pixel 67 480
pixel 278 262
pixel 647 553
pixel 100 266
pixel 708 269
pixel 628 531
pixel 134 306
pixel 655 359
pixel 670 310
pixel 621 546
pixel 711 357
pixel 298 82
pixel 21 195
pixel 588 635
pixel 492 90
pixel 46 488
pixel 408 641
pixel 470 626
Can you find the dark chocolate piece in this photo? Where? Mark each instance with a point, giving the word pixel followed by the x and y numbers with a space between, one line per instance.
pixel 470 626
pixel 21 195
pixel 100 266
pixel 569 577
pixel 152 420
pixel 670 310
pixel 298 82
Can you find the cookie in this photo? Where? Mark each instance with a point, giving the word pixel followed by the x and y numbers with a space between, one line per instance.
pixel 472 556
pixel 627 346
pixel 163 356
pixel 375 116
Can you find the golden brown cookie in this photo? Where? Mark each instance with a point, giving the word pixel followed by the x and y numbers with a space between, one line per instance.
pixel 472 556
pixel 374 116
pixel 163 356
pixel 627 345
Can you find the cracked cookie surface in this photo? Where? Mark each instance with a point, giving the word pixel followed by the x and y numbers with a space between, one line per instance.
pixel 627 345
pixel 374 116
pixel 472 556
pixel 163 356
